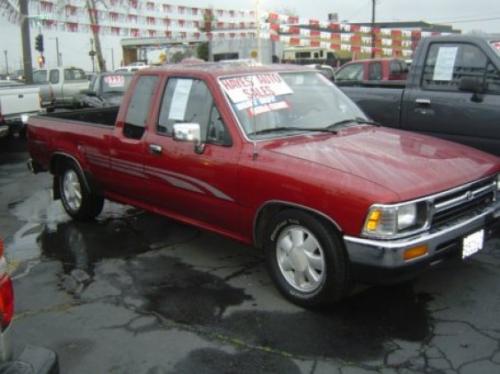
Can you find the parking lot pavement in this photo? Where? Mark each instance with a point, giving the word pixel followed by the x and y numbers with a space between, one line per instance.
pixel 138 293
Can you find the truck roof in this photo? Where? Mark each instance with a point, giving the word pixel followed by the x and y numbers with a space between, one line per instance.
pixel 218 69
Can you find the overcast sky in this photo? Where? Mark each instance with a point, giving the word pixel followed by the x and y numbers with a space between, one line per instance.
pixel 388 10
pixel 462 14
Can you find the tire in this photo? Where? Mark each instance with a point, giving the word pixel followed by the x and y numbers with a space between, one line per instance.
pixel 306 259
pixel 81 203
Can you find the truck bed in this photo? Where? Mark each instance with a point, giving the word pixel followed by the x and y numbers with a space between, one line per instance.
pixel 100 116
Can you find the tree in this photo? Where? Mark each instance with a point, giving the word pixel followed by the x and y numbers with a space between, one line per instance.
pixel 202 51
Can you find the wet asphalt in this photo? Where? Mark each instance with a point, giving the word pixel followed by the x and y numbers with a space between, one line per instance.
pixel 138 293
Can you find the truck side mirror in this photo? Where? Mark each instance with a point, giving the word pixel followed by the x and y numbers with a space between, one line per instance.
pixel 469 84
pixel 189 132
pixel 474 85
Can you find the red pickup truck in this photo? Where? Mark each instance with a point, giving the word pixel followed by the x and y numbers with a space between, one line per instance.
pixel 279 158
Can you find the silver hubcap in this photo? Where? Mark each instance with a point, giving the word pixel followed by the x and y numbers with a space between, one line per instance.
pixel 300 258
pixel 72 190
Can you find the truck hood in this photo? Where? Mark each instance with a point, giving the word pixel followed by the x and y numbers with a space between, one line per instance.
pixel 408 164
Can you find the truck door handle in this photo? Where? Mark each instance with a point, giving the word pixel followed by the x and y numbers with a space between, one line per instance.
pixel 155 149
pixel 423 102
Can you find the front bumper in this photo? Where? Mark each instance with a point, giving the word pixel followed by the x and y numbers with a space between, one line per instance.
pixel 382 261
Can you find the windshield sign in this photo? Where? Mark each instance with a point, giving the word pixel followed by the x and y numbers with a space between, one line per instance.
pixel 115 83
pixel 280 104
pixel 496 46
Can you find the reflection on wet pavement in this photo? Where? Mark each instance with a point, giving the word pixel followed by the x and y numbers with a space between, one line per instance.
pixel 169 276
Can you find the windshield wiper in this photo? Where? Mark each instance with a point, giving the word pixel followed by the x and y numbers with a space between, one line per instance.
pixel 357 120
pixel 291 128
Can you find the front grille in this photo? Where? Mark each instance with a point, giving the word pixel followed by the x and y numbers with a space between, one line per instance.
pixel 463 202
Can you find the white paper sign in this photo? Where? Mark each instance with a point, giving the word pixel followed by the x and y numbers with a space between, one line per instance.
pixel 252 87
pixel 443 71
pixel 180 99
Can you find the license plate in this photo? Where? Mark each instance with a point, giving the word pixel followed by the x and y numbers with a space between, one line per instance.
pixel 472 243
pixel 24 118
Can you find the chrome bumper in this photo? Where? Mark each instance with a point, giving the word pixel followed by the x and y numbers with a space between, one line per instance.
pixel 389 254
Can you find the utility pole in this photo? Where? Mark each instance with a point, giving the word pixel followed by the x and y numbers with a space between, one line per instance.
pixel 25 37
pixel 58 59
pixel 92 54
pixel 374 5
pixel 113 59
pixel 6 62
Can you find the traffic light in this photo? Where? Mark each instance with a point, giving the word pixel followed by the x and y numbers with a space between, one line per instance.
pixel 41 61
pixel 39 43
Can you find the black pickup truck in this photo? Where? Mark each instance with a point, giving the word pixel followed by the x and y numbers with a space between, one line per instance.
pixel 452 91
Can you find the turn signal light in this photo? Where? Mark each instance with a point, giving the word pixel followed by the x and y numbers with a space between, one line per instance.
pixel 415 252
pixel 373 219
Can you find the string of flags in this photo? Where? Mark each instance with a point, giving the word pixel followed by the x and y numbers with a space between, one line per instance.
pixel 147 18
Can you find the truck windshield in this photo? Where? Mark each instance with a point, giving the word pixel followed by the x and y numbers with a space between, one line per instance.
pixel 288 102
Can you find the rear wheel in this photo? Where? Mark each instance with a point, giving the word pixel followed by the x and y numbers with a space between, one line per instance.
pixel 306 259
pixel 77 198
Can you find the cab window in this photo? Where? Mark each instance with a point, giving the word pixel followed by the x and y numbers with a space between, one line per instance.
pixel 139 107
pixel 352 72
pixel 190 101
pixel 375 71
pixel 73 74
pixel 447 63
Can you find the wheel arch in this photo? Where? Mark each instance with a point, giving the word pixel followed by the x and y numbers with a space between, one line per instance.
pixel 272 207
pixel 57 162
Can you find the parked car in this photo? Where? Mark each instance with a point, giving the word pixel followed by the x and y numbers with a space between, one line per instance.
pixel 279 158
pixel 17 103
pixel 60 87
pixel 32 359
pixel 452 91
pixel 372 70
pixel 106 89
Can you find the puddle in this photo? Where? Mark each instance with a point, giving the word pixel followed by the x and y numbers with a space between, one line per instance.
pixel 181 293
pixel 356 329
pixel 79 245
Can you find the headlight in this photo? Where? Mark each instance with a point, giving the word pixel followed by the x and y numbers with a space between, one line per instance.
pixel 384 221
pixel 498 182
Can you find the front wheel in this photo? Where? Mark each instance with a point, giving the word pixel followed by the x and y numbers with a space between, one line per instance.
pixel 77 198
pixel 306 259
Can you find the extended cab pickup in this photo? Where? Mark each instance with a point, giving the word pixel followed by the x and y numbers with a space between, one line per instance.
pixel 276 157
pixel 452 91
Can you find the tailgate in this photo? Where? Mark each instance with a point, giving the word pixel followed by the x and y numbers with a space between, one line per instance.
pixel 17 101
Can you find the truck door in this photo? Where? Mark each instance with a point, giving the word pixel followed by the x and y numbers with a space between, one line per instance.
pixel 196 186
pixel 443 106
pixel 128 149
